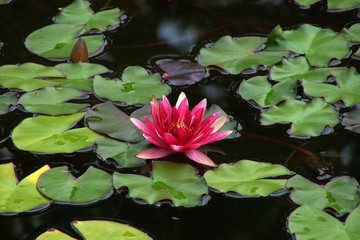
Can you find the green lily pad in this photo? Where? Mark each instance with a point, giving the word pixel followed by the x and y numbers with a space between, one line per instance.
pixel 237 54
pixel 177 182
pixel 6 100
pixel 348 83
pixel 137 86
pixel 332 4
pixel 22 196
pixel 351 120
pixel 123 153
pixel 308 222
pixel 306 118
pixel 340 193
pixel 79 12
pixel 229 125
pixel 50 134
pixel 298 69
pixel 51 100
pixel 57 40
pixel 108 119
pixel 60 185
pixel 352 33
pixel 319 45
pixel 264 94
pixel 28 76
pixel 78 74
pixel 54 234
pixel 247 178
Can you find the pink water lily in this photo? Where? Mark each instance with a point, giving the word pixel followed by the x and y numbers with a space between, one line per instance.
pixel 178 129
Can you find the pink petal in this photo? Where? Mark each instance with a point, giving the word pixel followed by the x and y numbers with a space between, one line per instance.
pixel 197 113
pixel 219 123
pixel 170 139
pixel 199 157
pixel 141 126
pixel 161 144
pixel 206 124
pixel 177 148
pixel 165 111
pixel 153 153
pixel 214 137
pixel 181 98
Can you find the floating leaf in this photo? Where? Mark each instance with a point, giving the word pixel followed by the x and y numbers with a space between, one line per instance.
pixel 353 33
pixel 320 45
pixel 342 4
pixel 298 69
pixel 50 134
pixel 351 120
pixel 340 193
pixel 108 119
pixel 101 229
pixel 19 197
pixel 180 73
pixel 306 3
pixel 308 222
pixel 123 153
pixel 348 81
pixel 60 185
pixel 306 118
pixel 51 100
pixel 177 182
pixel 247 178
pixel 237 54
pixel 54 234
pixel 79 12
pixel 57 41
pixel 137 86
pixel 28 76
pixel 264 94
pixel 6 100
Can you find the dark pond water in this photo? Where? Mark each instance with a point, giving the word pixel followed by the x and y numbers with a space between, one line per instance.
pixel 159 29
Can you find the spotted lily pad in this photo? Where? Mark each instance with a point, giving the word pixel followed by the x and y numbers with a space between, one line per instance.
pixel 177 182
pixel 22 196
pixel 348 83
pixel 28 76
pixel 308 222
pixel 237 54
pixel 57 40
pixel 319 45
pixel 60 185
pixel 247 178
pixel 298 69
pixel 264 94
pixel 6 100
pixel 306 118
pixel 340 193
pixel 50 134
pixel 136 86
pixel 123 153
pixel 108 119
pixel 79 12
pixel 51 101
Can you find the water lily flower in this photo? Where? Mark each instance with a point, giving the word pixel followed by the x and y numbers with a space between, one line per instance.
pixel 178 129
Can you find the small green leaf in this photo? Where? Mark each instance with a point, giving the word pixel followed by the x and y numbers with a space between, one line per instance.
pixel 237 54
pixel 319 45
pixel 19 197
pixel 137 86
pixel 177 182
pixel 50 134
pixel 264 94
pixel 28 76
pixel 123 153
pixel 308 222
pixel 247 178
pixel 58 184
pixel 6 100
pixel 51 100
pixel 306 3
pixel 340 193
pixel 306 118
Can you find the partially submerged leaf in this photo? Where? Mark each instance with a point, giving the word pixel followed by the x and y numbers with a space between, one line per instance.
pixel 6 100
pixel 28 76
pixel 247 178
pixel 340 193
pixel 306 118
pixel 22 196
pixel 177 182
pixel 50 134
pixel 54 234
pixel 60 185
pixel 51 101
pixel 136 86
pixel 79 53
pixel 237 54
pixel 351 120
